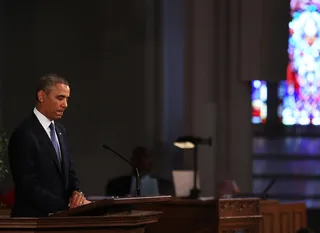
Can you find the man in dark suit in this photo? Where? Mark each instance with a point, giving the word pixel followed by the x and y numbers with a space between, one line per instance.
pixel 125 185
pixel 40 162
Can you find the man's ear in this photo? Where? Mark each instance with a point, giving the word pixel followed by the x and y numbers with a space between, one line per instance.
pixel 41 95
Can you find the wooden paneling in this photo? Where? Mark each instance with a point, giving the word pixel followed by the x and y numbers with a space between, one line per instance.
pixel 5 211
pixel 212 216
pixel 282 218
pixel 134 222
pixel 270 216
pixel 228 215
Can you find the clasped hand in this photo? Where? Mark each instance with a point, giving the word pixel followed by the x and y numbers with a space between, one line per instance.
pixel 77 199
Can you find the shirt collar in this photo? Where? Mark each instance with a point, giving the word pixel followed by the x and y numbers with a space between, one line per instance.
pixel 44 121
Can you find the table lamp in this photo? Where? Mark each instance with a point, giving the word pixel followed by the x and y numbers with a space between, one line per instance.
pixel 191 142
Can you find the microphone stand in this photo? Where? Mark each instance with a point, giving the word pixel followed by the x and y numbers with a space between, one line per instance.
pixel 134 168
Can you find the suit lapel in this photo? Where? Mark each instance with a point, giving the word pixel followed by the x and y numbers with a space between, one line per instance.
pixel 43 136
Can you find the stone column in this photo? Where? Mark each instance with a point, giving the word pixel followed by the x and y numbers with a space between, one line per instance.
pixel 218 101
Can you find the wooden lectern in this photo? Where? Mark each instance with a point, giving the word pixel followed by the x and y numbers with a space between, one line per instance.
pixel 112 215
pixel 234 215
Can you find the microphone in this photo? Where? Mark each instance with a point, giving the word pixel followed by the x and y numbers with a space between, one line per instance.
pixel 263 195
pixel 136 169
pixel 266 190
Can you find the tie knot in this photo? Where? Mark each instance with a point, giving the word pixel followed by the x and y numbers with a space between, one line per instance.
pixel 51 126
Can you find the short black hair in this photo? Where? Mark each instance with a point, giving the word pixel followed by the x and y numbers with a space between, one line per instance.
pixel 48 81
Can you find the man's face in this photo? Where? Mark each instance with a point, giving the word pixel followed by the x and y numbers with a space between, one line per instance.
pixel 55 101
pixel 147 164
pixel 143 163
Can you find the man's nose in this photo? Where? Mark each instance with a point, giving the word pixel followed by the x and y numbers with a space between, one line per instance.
pixel 65 103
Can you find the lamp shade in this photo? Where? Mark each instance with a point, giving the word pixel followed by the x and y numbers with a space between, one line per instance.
pixel 189 142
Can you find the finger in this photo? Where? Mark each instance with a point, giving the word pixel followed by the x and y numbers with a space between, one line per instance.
pixel 79 201
pixel 70 201
pixel 75 201
pixel 86 202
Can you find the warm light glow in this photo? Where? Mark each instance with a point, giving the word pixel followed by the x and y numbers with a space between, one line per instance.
pixel 184 145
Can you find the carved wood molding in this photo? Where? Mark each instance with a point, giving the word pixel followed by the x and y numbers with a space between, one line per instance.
pixel 239 207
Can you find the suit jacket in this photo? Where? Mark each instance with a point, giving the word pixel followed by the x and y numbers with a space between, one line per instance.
pixel 121 186
pixel 43 185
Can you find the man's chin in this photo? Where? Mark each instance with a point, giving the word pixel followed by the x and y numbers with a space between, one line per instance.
pixel 59 116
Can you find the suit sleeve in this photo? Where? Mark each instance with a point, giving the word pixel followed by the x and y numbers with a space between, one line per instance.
pixel 73 180
pixel 22 152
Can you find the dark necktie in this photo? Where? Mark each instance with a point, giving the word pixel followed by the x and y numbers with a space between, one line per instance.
pixel 55 140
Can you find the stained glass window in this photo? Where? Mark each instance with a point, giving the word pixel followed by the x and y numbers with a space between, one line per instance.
pixel 300 94
pixel 259 102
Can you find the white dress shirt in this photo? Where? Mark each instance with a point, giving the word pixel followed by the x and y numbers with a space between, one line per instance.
pixel 45 122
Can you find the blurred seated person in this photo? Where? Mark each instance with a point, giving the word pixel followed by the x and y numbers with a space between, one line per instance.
pixel 149 185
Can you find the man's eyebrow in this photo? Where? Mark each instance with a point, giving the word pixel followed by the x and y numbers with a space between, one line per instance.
pixel 63 96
